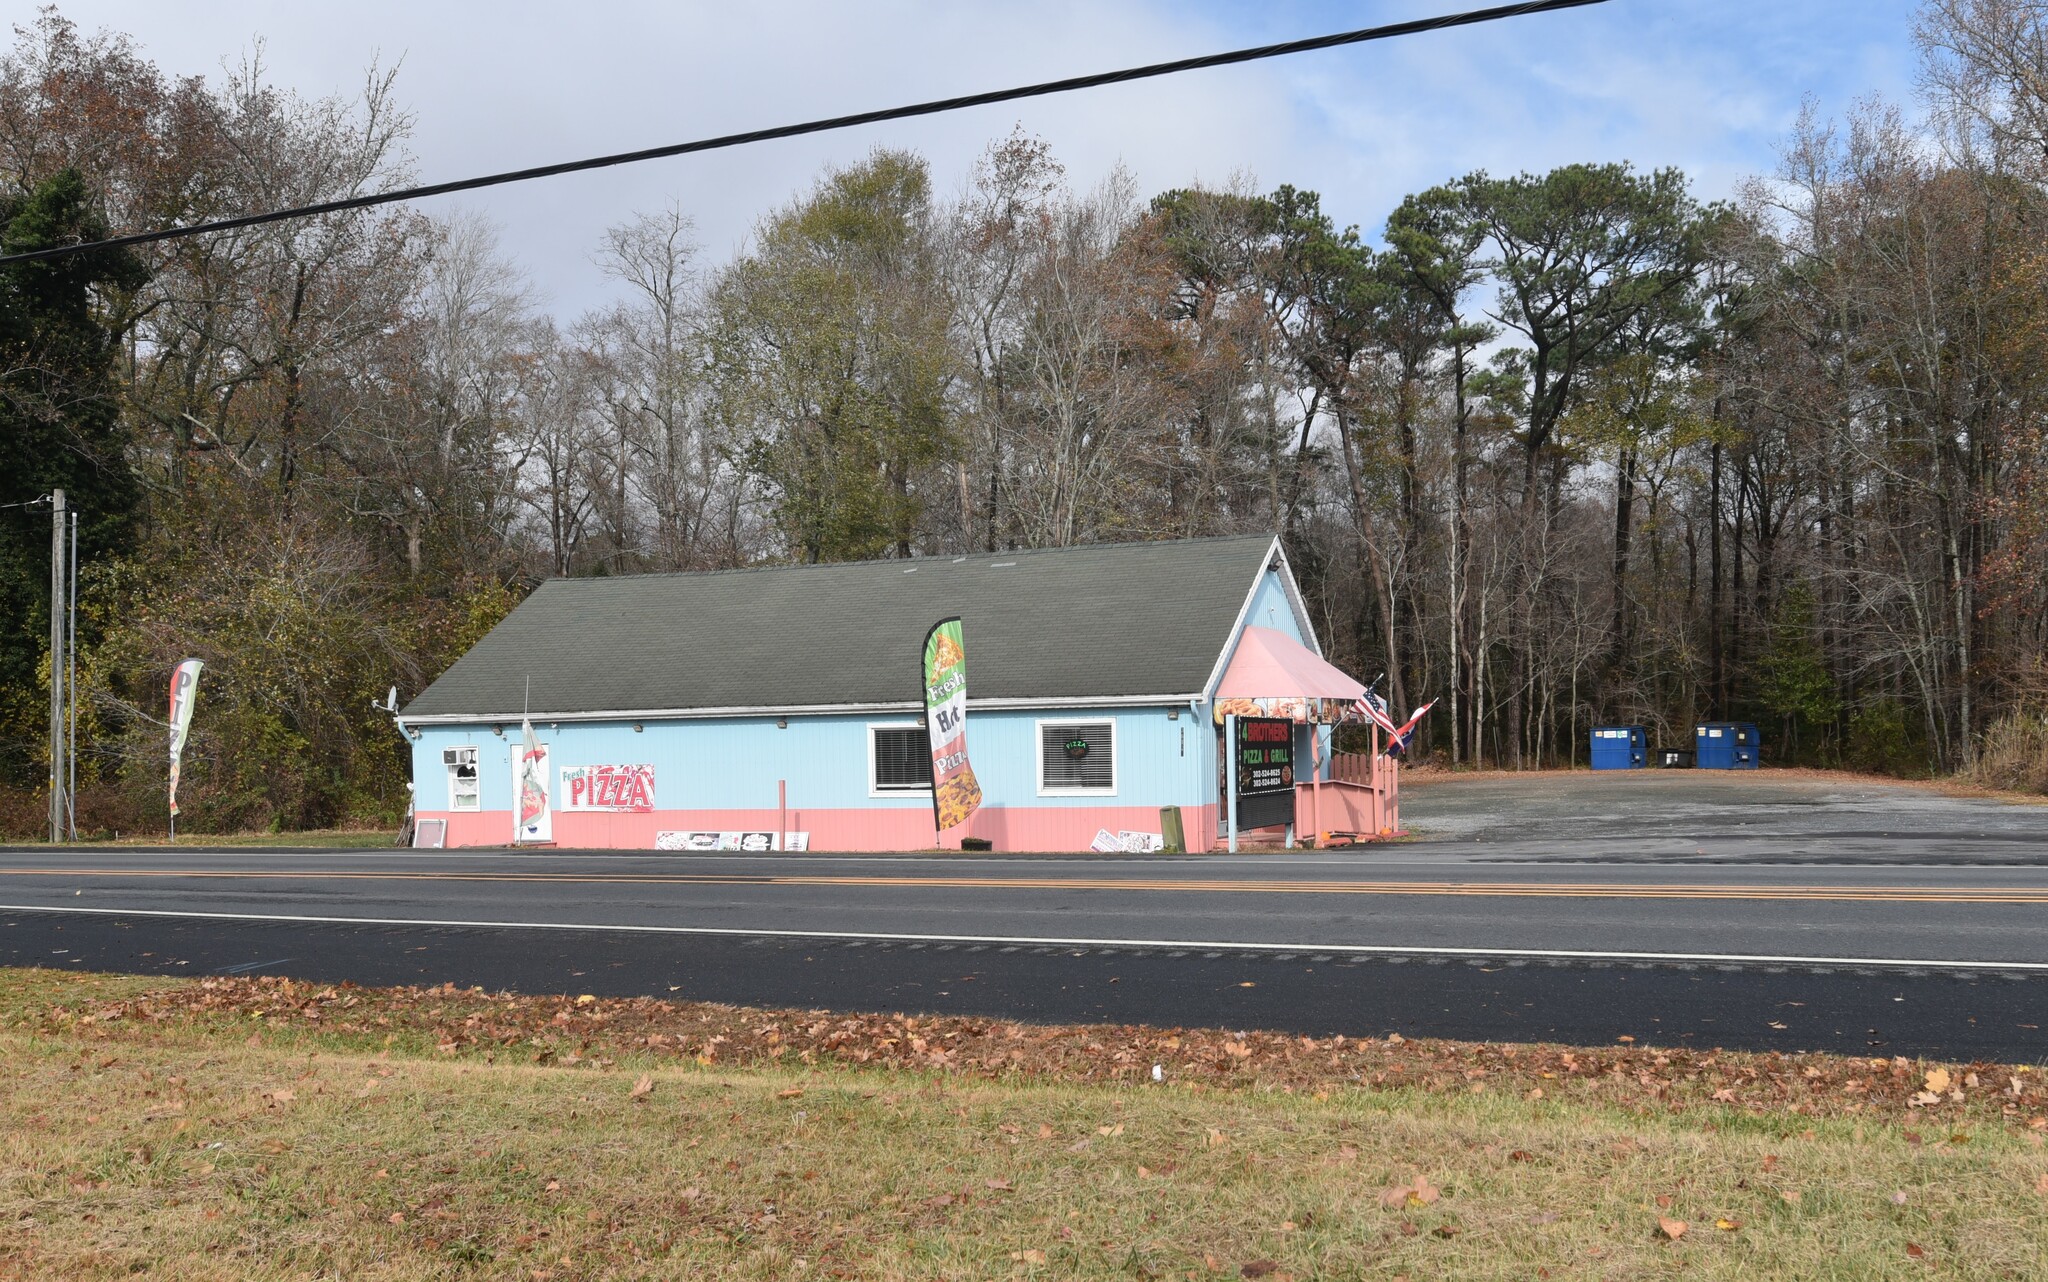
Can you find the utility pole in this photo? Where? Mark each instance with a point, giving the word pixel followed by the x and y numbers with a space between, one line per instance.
pixel 71 686
pixel 57 595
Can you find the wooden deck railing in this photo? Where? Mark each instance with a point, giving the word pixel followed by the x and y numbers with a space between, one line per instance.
pixel 1361 798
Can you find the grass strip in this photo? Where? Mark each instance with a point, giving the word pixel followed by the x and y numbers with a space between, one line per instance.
pixel 262 1128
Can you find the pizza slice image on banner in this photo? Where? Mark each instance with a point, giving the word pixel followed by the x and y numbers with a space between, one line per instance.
pixel 955 791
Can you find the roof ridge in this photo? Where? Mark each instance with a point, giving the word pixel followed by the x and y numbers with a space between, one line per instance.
pixel 939 558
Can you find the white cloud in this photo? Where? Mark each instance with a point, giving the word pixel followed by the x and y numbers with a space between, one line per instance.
pixel 1708 87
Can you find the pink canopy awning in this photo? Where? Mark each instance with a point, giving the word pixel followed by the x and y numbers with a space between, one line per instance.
pixel 1272 665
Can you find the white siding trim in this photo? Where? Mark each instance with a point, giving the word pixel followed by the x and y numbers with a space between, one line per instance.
pixel 1237 626
pixel 1293 590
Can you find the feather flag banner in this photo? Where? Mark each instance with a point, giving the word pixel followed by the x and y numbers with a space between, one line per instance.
pixel 184 693
pixel 955 791
pixel 536 822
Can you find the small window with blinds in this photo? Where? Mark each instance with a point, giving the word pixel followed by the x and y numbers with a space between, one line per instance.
pixel 1077 757
pixel 899 759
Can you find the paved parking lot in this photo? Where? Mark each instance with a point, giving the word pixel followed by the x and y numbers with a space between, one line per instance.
pixel 1693 815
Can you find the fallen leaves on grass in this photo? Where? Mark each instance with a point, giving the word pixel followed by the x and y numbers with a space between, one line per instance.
pixel 593 1030
pixel 1417 1192
pixel 1671 1229
pixel 643 1088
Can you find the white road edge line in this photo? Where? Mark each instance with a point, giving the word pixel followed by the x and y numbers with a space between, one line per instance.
pixel 1424 950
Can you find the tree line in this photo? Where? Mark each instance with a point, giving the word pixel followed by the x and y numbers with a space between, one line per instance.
pixel 1567 449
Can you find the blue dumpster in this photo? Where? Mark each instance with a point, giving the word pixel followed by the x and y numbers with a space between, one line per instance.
pixel 1620 747
pixel 1725 745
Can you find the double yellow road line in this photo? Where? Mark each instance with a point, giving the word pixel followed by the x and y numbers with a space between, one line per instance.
pixel 1480 889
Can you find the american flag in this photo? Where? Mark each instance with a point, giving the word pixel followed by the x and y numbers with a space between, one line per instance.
pixel 1374 709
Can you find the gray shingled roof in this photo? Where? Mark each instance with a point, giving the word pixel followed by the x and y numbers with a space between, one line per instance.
pixel 1107 620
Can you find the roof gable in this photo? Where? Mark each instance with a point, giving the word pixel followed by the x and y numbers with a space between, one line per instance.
pixel 1103 621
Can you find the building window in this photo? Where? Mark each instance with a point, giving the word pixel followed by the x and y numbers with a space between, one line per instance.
pixel 1077 758
pixel 463 793
pixel 899 759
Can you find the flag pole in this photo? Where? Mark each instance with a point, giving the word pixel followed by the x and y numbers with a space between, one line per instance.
pixel 525 764
pixel 925 715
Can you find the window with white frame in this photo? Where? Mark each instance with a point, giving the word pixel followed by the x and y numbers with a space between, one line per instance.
pixel 899 758
pixel 463 790
pixel 1077 758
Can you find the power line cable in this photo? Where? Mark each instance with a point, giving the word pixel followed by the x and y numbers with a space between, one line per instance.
pixel 1362 36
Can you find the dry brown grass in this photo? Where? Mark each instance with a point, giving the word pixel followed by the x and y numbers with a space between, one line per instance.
pixel 2013 756
pixel 210 1141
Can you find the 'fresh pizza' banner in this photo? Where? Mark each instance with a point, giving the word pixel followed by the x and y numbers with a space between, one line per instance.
pixel 955 791
pixel 608 788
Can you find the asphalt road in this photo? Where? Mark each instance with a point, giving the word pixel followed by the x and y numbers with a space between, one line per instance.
pixel 1891 939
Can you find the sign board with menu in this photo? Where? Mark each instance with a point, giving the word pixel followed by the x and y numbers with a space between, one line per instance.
pixel 1263 756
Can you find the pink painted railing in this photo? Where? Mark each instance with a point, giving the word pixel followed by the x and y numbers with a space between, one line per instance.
pixel 1361 797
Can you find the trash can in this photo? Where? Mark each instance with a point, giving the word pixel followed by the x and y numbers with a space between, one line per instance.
pixel 1675 758
pixel 1620 747
pixel 1726 745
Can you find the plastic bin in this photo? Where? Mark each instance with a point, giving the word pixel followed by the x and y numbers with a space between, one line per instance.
pixel 1675 758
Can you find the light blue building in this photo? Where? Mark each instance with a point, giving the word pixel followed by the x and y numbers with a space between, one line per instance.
pixel 700 710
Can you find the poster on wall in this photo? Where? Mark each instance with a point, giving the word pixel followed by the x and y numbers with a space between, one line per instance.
pixel 532 819
pixel 750 841
pixel 615 788
pixel 955 791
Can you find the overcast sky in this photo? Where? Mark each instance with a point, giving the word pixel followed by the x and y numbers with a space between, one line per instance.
pixel 1708 85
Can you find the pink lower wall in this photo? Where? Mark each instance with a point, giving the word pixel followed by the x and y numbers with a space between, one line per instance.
pixel 1022 828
